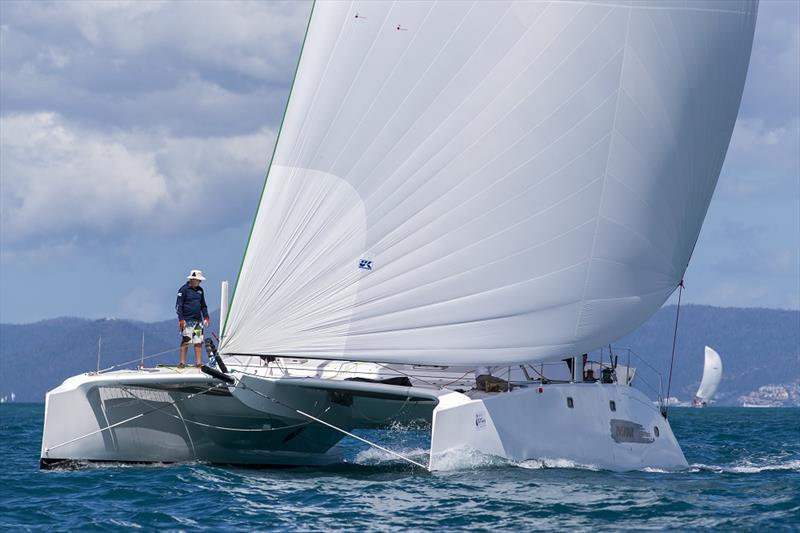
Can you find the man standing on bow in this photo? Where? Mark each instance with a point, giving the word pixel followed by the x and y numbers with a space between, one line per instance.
pixel 192 316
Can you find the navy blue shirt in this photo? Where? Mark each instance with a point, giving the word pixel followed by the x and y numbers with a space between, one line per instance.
pixel 191 303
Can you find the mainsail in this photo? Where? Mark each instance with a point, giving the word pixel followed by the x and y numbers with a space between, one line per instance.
pixel 488 182
pixel 712 374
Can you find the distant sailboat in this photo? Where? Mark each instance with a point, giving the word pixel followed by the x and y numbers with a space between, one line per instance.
pixel 712 374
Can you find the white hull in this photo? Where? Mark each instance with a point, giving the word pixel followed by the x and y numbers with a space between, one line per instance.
pixel 259 421
pixel 537 423
pixel 212 427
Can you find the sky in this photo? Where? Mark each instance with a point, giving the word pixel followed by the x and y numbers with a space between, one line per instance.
pixel 135 137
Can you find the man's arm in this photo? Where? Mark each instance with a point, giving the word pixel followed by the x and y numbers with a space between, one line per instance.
pixel 203 307
pixel 179 304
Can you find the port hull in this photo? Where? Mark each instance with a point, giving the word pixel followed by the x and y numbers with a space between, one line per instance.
pixel 156 417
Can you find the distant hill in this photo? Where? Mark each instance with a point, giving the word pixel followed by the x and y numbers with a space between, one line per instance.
pixel 36 357
pixel 758 347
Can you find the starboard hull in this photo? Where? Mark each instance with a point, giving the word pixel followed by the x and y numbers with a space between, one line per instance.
pixel 569 423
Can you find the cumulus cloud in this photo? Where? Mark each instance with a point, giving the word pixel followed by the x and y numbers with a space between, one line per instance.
pixel 774 74
pixel 758 148
pixel 749 250
pixel 125 124
pixel 60 180
pixel 142 303
pixel 190 67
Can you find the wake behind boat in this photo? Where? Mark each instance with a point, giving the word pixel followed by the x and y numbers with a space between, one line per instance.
pixel 456 189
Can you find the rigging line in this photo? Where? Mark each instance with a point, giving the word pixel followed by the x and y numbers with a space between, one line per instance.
pixel 112 367
pixel 140 415
pixel 674 339
pixel 417 378
pixel 365 441
pixel 409 376
pixel 340 430
pixel 465 374
pixel 185 427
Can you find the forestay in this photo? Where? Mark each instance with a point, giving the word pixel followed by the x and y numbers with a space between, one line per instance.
pixel 488 182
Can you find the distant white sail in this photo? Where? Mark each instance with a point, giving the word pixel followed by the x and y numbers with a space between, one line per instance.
pixel 488 182
pixel 712 374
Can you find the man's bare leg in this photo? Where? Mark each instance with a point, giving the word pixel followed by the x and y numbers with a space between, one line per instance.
pixel 184 348
pixel 198 355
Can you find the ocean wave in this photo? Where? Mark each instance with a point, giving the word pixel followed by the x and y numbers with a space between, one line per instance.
pixel 536 464
pixel 375 456
pixel 80 464
pixel 654 470
pixel 469 459
pixel 465 459
pixel 748 467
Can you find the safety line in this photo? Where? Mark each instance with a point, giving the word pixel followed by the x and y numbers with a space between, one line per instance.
pixel 112 367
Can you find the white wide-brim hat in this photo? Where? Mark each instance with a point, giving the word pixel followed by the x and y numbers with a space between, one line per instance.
pixel 196 274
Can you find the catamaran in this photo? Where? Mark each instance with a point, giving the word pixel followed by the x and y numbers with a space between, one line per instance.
pixel 463 199
pixel 712 375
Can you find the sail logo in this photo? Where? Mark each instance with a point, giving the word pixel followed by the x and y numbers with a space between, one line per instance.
pixel 366 264
pixel 480 421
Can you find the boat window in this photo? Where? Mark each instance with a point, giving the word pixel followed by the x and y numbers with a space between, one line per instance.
pixel 655 430
pixel 612 405
pixel 570 403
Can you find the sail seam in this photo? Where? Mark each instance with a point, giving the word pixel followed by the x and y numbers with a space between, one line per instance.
pixel 391 74
pixel 355 77
pixel 397 110
pixel 530 216
pixel 496 96
pixel 295 153
pixel 605 175
pixel 570 130
pixel 643 7
pixel 518 252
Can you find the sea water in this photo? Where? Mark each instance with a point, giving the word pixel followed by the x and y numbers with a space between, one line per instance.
pixel 744 475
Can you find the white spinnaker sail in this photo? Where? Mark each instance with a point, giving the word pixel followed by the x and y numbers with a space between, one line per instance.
pixel 712 374
pixel 488 182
